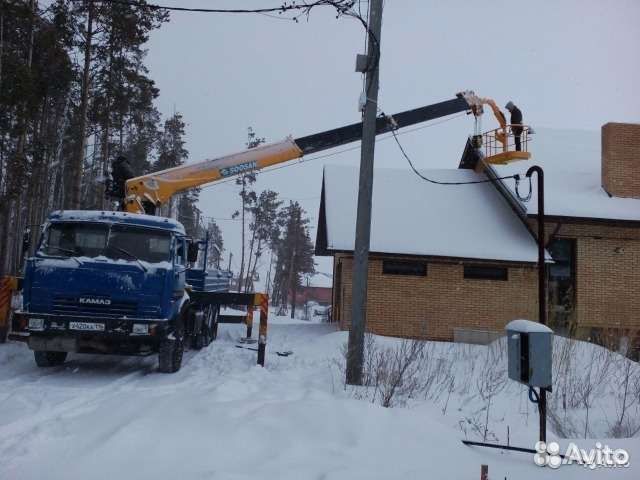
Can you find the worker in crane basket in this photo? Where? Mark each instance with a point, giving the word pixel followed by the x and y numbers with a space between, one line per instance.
pixel 516 123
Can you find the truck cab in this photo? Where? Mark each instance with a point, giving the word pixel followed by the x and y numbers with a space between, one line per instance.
pixel 113 283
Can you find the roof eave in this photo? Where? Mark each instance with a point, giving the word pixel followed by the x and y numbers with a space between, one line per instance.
pixel 587 220
pixel 438 258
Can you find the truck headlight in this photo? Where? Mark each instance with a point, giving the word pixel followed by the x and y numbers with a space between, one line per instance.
pixel 36 324
pixel 140 329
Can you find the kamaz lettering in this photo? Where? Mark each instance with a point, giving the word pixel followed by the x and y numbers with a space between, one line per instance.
pixel 94 301
pixel 235 169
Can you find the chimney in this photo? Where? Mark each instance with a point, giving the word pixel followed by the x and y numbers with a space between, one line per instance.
pixel 621 159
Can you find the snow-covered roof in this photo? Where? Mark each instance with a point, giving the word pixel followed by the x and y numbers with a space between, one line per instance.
pixel 117 217
pixel 571 160
pixel 411 216
pixel 571 194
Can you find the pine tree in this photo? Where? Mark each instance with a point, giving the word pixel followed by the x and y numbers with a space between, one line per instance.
pixel 294 256
pixel 50 106
pixel 35 84
pixel 216 245
pixel 264 225
pixel 111 38
pixel 247 198
pixel 172 153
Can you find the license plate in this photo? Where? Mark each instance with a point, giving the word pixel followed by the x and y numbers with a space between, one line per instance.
pixel 87 326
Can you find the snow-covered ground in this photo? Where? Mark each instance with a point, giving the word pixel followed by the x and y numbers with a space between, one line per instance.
pixel 223 417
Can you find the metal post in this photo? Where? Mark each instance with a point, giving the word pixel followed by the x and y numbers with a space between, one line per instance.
pixel 484 472
pixel 542 288
pixel 206 250
pixel 8 285
pixel 249 321
pixel 355 354
pixel 263 301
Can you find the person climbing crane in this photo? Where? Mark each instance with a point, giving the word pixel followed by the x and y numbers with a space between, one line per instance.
pixel 121 171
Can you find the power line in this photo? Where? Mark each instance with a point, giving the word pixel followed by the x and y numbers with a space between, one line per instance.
pixel 339 152
pixel 516 177
pixel 342 7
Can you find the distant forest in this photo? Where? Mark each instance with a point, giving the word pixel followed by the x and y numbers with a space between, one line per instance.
pixel 75 93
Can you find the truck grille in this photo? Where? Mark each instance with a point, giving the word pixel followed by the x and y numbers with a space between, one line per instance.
pixel 70 306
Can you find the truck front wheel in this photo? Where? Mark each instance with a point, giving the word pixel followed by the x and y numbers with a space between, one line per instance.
pixel 170 355
pixel 49 359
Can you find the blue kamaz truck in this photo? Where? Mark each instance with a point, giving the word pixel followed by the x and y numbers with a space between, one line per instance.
pixel 127 283
pixel 116 283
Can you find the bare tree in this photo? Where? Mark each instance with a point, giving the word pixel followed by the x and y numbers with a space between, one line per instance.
pixel 391 375
pixel 627 376
pixel 491 381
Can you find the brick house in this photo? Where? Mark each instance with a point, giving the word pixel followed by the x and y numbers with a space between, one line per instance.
pixel 315 288
pixel 441 257
pixel 593 232
pixel 448 260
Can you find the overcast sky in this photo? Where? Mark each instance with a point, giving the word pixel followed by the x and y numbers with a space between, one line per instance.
pixel 567 64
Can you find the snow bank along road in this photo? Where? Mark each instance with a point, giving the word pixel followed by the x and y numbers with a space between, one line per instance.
pixel 222 417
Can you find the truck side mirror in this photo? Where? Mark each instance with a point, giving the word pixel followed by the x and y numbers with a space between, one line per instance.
pixel 192 253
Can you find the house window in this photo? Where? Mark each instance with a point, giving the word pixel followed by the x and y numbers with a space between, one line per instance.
pixel 482 272
pixel 562 284
pixel 404 267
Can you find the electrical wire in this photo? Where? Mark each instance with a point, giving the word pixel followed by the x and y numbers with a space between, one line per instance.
pixel 339 152
pixel 342 7
pixel 430 180
pixel 527 197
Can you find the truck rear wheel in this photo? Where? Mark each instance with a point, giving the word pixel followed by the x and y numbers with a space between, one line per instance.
pixel 170 355
pixel 49 359
pixel 209 328
pixel 201 339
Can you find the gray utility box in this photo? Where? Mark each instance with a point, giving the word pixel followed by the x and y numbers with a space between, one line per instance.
pixel 530 347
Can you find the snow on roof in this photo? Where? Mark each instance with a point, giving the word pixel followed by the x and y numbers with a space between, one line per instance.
pixel 116 217
pixel 571 160
pixel 571 194
pixel 412 216
pixel 527 326
pixel 319 279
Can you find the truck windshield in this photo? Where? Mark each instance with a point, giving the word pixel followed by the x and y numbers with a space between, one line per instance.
pixel 144 244
pixel 116 241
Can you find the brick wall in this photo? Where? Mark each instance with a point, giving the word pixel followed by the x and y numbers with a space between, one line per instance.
pixel 607 290
pixel 607 274
pixel 431 307
pixel 621 159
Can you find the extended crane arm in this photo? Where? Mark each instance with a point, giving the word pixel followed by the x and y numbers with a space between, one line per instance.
pixel 502 120
pixel 154 189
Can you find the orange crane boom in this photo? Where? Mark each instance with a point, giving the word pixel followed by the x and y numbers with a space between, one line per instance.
pixel 147 192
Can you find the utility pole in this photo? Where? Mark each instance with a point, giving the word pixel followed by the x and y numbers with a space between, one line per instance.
pixel 355 354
